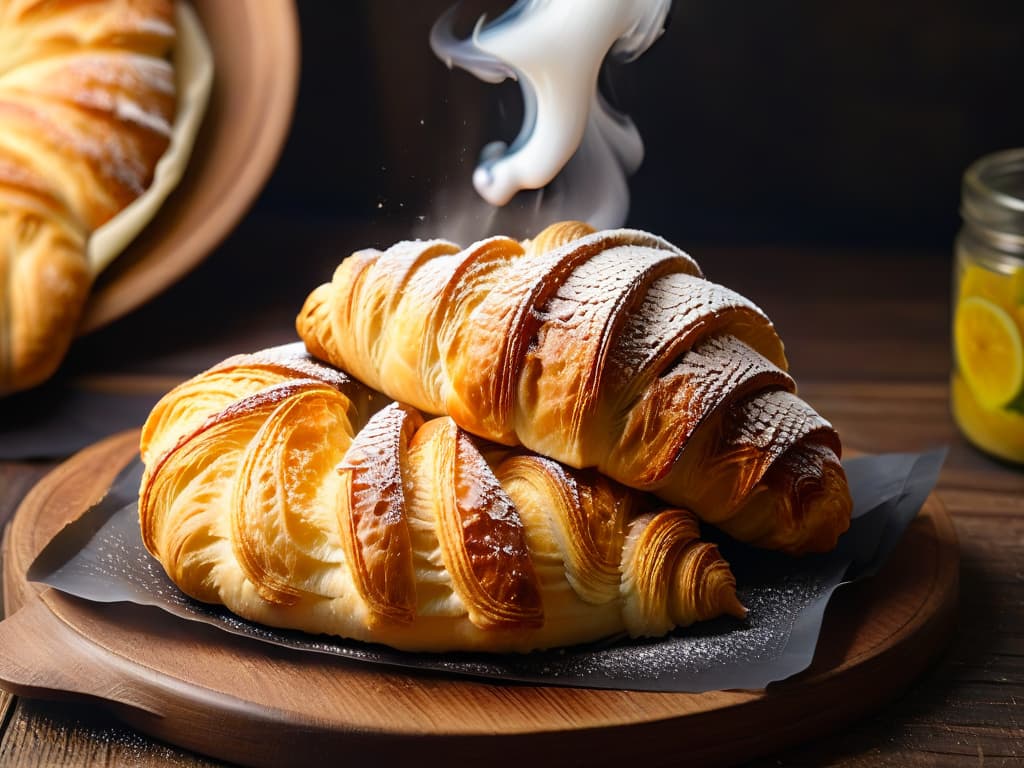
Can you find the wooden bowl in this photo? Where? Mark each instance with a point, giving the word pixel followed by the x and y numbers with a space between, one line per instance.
pixel 256 53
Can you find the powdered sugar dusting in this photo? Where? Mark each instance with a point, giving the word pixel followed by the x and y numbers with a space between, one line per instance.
pixel 707 377
pixel 375 454
pixel 675 310
pixel 493 539
pixel 773 421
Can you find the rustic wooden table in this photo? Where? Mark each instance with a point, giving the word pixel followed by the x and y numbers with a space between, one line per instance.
pixel 867 336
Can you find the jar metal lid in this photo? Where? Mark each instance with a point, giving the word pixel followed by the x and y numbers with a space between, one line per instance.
pixel 992 199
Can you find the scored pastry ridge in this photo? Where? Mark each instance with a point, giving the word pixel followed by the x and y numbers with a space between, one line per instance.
pixel 599 349
pixel 283 489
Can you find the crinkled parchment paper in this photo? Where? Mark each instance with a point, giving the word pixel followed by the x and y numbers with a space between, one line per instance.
pixel 100 557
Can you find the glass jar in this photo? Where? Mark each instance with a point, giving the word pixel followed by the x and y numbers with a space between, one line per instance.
pixel 987 385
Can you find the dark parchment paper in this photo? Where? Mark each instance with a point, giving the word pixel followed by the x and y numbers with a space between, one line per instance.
pixel 100 557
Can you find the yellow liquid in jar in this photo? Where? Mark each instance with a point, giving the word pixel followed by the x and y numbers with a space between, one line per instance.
pixel 987 387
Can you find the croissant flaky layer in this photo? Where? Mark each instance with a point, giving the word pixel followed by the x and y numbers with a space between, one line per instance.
pixel 598 349
pixel 297 497
pixel 87 100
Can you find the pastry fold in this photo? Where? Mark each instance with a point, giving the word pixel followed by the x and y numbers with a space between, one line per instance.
pixel 297 497
pixel 87 103
pixel 598 349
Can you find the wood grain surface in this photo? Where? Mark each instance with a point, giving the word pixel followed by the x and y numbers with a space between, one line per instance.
pixel 243 701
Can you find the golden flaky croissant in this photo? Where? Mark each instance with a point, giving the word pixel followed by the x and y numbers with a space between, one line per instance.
pixel 87 100
pixel 598 349
pixel 299 498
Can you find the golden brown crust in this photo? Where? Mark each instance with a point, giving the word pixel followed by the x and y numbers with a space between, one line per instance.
pixel 670 577
pixel 87 100
pixel 375 533
pixel 578 326
pixel 273 487
pixel 658 430
pixel 42 28
pixel 555 236
pixel 479 529
pixel 306 432
pixel 598 349
pixel 586 513
pixel 44 280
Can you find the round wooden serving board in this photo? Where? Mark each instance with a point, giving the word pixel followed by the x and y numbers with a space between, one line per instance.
pixel 248 702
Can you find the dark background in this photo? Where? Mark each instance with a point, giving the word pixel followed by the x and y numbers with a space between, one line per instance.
pixel 775 122
pixel 776 133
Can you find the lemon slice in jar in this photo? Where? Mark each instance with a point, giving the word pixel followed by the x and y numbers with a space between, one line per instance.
pixel 989 351
pixel 1003 288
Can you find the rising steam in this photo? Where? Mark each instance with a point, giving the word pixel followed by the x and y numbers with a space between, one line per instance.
pixel 570 135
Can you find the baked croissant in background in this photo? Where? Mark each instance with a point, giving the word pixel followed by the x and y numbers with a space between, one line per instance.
pixel 87 101
pixel 598 349
pixel 299 498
